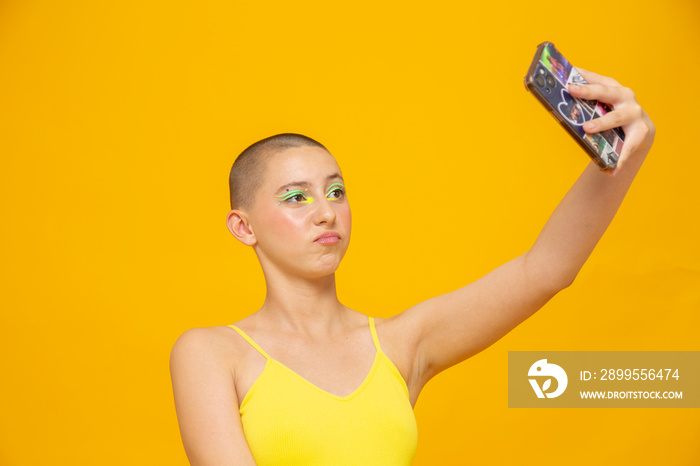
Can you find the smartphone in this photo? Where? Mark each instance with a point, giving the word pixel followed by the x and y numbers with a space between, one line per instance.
pixel 547 79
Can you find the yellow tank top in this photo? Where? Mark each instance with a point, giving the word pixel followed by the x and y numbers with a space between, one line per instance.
pixel 289 421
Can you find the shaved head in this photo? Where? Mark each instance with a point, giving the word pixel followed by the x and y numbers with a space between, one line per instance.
pixel 248 171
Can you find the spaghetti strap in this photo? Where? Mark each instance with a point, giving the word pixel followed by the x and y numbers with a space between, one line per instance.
pixel 374 334
pixel 250 340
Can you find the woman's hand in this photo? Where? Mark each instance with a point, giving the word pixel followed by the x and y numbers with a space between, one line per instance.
pixel 627 113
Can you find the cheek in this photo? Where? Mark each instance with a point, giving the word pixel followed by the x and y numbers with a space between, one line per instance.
pixel 344 210
pixel 344 218
pixel 347 216
pixel 283 223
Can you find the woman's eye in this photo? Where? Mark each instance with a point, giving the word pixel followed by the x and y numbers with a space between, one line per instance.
pixel 295 197
pixel 336 194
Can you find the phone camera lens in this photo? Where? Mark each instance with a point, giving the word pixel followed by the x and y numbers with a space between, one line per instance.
pixel 550 81
pixel 539 80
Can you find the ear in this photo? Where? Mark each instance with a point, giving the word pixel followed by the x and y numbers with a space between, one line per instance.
pixel 239 226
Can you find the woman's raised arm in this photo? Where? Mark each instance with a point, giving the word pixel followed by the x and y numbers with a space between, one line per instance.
pixel 450 328
pixel 206 401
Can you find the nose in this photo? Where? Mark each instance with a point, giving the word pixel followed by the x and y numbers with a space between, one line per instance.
pixel 325 212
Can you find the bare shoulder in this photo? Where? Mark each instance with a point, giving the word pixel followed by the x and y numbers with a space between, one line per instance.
pixel 202 354
pixel 202 369
pixel 204 345
pixel 220 353
pixel 204 338
pixel 209 354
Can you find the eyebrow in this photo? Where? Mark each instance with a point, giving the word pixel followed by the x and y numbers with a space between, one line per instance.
pixel 304 183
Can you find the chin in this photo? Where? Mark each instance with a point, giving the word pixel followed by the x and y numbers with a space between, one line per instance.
pixel 322 269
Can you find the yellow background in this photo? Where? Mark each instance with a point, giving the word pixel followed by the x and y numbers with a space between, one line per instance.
pixel 119 122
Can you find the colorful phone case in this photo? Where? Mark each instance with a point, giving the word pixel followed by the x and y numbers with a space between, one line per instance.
pixel 547 79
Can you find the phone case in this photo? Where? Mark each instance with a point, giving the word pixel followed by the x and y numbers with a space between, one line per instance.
pixel 547 79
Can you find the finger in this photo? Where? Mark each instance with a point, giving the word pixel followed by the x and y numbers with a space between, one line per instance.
pixel 595 78
pixel 613 173
pixel 608 121
pixel 632 142
pixel 608 94
pixel 621 116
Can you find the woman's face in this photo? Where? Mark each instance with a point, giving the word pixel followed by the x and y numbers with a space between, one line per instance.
pixel 302 197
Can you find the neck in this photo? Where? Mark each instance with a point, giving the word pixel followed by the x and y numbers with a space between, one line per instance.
pixel 303 306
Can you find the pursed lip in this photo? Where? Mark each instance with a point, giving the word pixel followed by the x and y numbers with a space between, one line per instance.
pixel 328 234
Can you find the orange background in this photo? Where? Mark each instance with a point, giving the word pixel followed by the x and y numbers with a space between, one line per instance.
pixel 119 122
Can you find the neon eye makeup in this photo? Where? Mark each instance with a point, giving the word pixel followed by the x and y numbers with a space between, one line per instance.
pixel 338 188
pixel 292 194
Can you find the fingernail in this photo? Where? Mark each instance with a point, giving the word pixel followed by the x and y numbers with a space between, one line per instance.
pixel 588 125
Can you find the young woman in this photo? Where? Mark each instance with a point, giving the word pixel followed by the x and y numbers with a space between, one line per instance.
pixel 306 380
